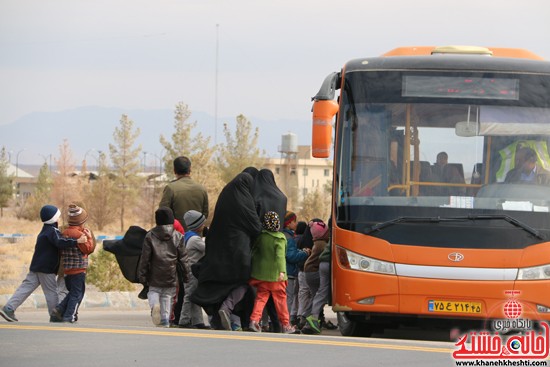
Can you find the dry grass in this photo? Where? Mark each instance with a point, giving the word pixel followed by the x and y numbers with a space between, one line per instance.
pixel 15 257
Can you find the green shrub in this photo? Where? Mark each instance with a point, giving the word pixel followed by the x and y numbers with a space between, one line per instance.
pixel 104 273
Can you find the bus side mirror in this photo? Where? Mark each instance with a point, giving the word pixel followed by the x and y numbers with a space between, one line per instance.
pixel 323 114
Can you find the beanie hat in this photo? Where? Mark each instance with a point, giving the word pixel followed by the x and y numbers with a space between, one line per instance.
pixel 164 215
pixel 301 227
pixel 76 215
pixel 318 230
pixel 289 218
pixel 193 219
pixel 271 222
pixel 49 214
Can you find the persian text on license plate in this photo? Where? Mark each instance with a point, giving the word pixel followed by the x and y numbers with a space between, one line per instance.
pixel 454 306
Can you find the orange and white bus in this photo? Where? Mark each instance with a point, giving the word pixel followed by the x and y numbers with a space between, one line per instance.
pixel 415 239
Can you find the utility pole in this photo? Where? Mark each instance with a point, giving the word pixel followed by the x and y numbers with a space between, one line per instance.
pixel 216 89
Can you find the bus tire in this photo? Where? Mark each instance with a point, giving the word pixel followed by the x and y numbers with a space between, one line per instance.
pixel 349 327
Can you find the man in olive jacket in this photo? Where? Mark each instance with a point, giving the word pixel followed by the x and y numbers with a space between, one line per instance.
pixel 184 194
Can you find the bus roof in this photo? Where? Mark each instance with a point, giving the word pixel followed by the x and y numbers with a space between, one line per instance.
pixel 516 53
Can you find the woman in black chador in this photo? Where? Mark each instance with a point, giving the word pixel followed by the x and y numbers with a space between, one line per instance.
pixel 267 195
pixel 224 271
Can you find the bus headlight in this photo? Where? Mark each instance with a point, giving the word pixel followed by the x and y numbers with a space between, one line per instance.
pixel 354 261
pixel 535 273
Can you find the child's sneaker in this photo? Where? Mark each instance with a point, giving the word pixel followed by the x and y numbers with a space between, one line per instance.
pixel 254 326
pixel 301 322
pixel 289 329
pixel 8 314
pixel 155 314
pixel 312 326
pixel 56 315
pixel 309 331
pixel 328 325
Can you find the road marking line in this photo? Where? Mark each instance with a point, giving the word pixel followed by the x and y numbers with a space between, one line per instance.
pixel 299 339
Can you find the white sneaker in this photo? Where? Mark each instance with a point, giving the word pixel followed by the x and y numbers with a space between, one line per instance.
pixel 255 326
pixel 155 314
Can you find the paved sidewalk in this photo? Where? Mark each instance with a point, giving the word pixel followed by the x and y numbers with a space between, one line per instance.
pixel 108 301
pixel 112 300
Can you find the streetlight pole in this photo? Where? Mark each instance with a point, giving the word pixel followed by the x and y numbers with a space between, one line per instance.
pixel 144 161
pixel 46 160
pixel 85 155
pixel 99 152
pixel 17 163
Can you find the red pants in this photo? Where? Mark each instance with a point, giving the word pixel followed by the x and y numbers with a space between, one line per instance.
pixel 278 291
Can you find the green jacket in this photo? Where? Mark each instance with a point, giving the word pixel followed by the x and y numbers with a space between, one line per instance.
pixel 268 256
pixel 184 194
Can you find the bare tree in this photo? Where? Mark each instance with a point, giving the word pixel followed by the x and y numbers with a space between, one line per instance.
pixel 240 150
pixel 66 184
pixel 6 182
pixel 125 159
pixel 196 148
pixel 100 194
pixel 40 195
pixel 317 204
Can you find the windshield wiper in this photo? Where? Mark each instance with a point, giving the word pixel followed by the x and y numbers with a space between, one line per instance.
pixel 507 218
pixel 388 223
pixel 515 222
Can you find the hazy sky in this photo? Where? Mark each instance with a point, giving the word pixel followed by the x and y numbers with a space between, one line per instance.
pixel 273 55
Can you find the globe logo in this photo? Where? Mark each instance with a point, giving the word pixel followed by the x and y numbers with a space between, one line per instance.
pixel 512 309
pixel 515 345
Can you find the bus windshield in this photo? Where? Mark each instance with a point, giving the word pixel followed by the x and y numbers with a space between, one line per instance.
pixel 432 144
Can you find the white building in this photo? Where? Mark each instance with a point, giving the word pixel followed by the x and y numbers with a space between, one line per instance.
pixel 297 173
pixel 23 181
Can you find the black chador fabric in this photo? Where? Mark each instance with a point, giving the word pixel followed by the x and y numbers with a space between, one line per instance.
pixel 267 195
pixel 127 251
pixel 227 260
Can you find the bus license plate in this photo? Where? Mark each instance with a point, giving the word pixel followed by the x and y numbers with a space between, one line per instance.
pixel 454 306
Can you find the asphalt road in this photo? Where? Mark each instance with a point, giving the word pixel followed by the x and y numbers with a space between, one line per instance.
pixel 128 338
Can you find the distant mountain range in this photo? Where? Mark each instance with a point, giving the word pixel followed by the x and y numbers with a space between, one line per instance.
pixel 32 138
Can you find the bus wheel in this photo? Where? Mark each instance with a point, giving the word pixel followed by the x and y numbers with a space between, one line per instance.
pixel 349 327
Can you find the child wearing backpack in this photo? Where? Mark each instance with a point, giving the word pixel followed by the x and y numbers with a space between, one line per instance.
pixel 75 262
pixel 191 314
pixel 268 274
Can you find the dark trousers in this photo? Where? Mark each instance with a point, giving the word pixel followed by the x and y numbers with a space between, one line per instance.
pixel 76 284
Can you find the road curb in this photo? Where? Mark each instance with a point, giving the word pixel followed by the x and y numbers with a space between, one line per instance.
pixel 108 300
pixel 112 300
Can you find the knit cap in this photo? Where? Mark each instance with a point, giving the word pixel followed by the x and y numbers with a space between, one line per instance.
pixel 193 219
pixel 76 215
pixel 318 230
pixel 271 222
pixel 289 218
pixel 49 214
pixel 164 215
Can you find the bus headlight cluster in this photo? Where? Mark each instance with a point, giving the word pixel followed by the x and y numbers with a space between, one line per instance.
pixel 535 273
pixel 354 261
